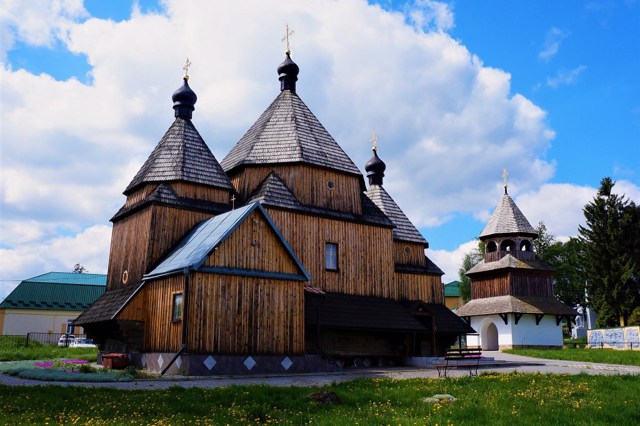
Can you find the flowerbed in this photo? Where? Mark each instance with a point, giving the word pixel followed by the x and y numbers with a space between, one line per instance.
pixel 63 370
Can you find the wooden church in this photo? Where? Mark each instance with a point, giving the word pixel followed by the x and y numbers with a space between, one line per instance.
pixel 512 302
pixel 277 259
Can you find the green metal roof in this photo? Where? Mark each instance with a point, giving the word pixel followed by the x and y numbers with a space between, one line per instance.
pixel 57 291
pixel 452 289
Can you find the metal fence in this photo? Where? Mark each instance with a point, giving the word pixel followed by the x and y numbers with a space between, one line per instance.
pixel 31 339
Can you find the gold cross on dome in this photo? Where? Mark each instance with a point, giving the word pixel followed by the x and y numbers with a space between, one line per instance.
pixel 286 38
pixel 374 140
pixel 187 64
pixel 505 173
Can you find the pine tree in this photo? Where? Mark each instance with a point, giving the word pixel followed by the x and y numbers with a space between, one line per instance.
pixel 470 260
pixel 610 236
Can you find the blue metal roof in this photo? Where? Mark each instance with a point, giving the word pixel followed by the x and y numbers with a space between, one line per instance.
pixel 192 251
pixel 70 278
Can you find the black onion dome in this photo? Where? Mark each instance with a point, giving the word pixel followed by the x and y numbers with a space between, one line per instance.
pixel 288 74
pixel 375 168
pixel 184 100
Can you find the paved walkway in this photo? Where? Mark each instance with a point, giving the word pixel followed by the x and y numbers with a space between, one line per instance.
pixel 514 363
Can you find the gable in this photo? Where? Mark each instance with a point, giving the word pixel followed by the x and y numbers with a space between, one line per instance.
pixel 254 246
pixel 193 251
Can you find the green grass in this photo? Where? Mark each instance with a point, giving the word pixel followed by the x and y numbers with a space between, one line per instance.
pixel 39 351
pixel 496 399
pixel 604 356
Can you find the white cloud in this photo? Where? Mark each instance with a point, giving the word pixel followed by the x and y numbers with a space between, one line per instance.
pixel 428 15
pixel 448 124
pixel 37 22
pixel 450 261
pixel 565 77
pixel 553 40
pixel 90 248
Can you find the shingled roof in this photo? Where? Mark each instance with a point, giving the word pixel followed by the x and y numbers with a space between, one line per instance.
pixel 404 230
pixel 274 192
pixel 510 262
pixel 513 304
pixel 507 219
pixel 288 132
pixel 165 195
pixel 57 291
pixel 108 306
pixel 181 155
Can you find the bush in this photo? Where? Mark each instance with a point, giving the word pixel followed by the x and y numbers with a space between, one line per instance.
pixel 634 319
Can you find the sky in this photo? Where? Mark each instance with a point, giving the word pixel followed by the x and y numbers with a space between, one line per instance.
pixel 456 91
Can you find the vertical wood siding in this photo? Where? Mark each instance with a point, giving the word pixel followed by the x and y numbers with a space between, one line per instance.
pixel 202 192
pixel 407 253
pixel 427 288
pixel 129 245
pixel 308 184
pixel 140 241
pixel 514 284
pixel 231 314
pixel 253 246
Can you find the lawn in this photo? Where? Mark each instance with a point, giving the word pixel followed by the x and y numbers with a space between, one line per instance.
pixel 605 356
pixel 496 399
pixel 37 350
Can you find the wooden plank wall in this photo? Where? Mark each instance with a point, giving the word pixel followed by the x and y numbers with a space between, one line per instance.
pixel 140 241
pixel 308 184
pixel 202 192
pixel 231 314
pixel 154 305
pixel 490 286
pixel 531 285
pixel 512 284
pixel 427 288
pixel 365 263
pixel 129 245
pixel 254 246
pixel 407 253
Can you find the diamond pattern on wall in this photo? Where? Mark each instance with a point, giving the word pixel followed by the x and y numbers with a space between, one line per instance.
pixel 179 362
pixel 249 363
pixel 210 362
pixel 286 363
pixel 160 361
pixel 144 361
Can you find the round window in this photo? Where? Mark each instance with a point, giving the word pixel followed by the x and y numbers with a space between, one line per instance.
pixel 407 249
pixel 125 277
pixel 330 184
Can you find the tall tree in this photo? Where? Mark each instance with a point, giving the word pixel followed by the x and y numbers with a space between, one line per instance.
pixel 544 241
pixel 569 277
pixel 610 238
pixel 470 260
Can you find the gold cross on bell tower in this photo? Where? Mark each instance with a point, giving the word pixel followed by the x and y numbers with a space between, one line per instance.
pixel 286 38
pixel 374 140
pixel 187 64
pixel 505 173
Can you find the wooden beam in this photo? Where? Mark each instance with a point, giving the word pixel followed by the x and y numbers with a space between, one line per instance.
pixel 505 318
pixel 539 318
pixel 559 319
pixel 518 315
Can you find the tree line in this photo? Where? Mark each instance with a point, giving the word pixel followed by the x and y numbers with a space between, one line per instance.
pixel 599 268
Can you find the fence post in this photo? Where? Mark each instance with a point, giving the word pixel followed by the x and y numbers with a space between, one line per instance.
pixel 27 342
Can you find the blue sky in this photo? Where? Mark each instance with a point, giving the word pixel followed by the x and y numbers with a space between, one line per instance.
pixel 456 91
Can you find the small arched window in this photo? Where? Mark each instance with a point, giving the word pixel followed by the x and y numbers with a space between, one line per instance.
pixel 525 246
pixel 491 247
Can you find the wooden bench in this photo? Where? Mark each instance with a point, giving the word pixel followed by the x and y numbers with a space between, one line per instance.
pixel 460 358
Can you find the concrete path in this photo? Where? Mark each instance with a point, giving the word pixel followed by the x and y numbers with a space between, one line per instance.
pixel 513 363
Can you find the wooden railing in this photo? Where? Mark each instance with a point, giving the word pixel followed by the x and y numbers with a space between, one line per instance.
pixel 521 255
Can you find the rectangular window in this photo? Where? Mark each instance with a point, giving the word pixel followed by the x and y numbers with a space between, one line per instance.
pixel 331 256
pixel 177 306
